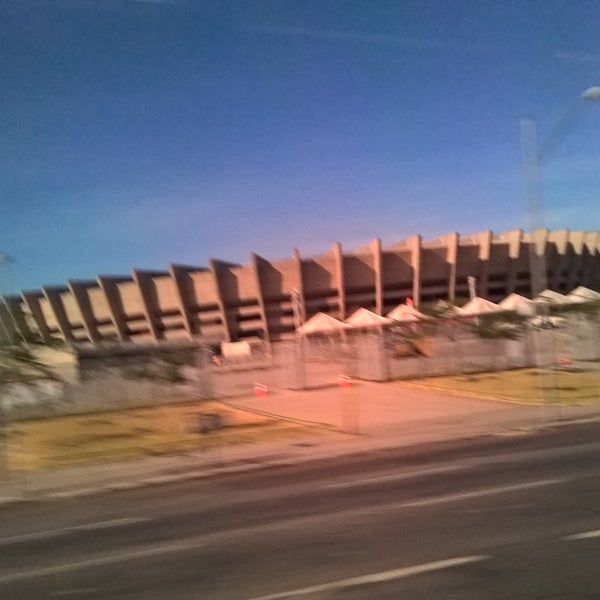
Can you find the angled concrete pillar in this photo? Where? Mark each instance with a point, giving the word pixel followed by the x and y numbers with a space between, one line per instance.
pixel 514 239
pixel 595 277
pixel 451 241
pixel 79 291
pixel 577 240
pixel 143 280
pixel 339 279
pixel 591 243
pixel 538 264
pixel 52 294
pixel 215 266
pixel 560 240
pixel 415 244
pixel 256 267
pixel 111 293
pixel 300 289
pixel 378 268
pixel 179 274
pixel 484 243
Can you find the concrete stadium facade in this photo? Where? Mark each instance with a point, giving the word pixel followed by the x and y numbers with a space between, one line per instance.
pixel 230 302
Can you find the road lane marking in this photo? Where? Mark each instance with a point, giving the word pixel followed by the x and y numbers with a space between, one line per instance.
pixel 153 550
pixel 53 533
pixel 585 535
pixel 73 592
pixel 503 489
pixel 206 540
pixel 376 577
pixel 396 476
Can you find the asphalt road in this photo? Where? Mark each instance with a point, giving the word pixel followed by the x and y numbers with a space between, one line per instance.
pixel 508 517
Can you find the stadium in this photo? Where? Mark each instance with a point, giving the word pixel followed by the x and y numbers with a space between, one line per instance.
pixel 265 300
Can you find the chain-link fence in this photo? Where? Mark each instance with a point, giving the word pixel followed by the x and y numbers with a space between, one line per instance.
pixel 319 362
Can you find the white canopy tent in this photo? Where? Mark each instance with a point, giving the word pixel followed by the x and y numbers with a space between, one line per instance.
pixel 519 304
pixel 364 318
pixel 322 323
pixel 480 306
pixel 406 314
pixel 552 297
pixel 583 294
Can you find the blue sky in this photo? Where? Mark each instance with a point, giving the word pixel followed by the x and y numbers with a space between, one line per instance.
pixel 134 133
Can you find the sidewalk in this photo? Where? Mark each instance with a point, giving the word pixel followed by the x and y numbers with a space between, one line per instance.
pixel 361 419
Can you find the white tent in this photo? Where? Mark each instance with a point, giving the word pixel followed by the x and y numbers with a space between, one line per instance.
pixel 322 323
pixel 480 306
pixel 583 294
pixel 406 314
pixel 363 318
pixel 519 304
pixel 552 297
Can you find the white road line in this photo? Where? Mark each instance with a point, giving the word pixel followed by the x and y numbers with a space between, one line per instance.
pixel 586 535
pixel 73 592
pixel 504 489
pixel 396 476
pixel 206 540
pixel 376 577
pixel 53 533
pixel 153 550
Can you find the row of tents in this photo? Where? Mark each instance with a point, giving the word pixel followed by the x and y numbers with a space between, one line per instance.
pixel 476 307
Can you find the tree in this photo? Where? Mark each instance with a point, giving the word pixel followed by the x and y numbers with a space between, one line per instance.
pixel 18 364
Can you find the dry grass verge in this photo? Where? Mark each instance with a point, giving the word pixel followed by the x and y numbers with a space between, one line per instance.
pixel 534 386
pixel 63 441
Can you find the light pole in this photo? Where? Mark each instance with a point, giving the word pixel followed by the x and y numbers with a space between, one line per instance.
pixel 6 260
pixel 534 157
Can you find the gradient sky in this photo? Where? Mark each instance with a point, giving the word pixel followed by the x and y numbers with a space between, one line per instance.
pixel 134 133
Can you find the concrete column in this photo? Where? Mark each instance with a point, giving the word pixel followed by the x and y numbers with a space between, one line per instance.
pixel 109 286
pixel 79 292
pixel 452 257
pixel 256 266
pixel 591 243
pixel 515 238
pixel 484 241
pixel 595 278
pixel 178 273
pixel 538 245
pixel 560 240
pixel 339 279
pixel 577 239
pixel 300 288
pixel 55 301
pixel 378 267
pixel 415 244
pixel 144 283
pixel 215 266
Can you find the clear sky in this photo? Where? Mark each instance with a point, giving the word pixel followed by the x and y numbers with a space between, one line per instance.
pixel 134 133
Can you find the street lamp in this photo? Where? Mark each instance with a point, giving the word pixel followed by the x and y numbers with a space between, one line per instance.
pixel 533 157
pixel 6 260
